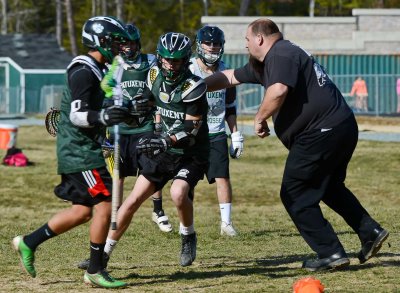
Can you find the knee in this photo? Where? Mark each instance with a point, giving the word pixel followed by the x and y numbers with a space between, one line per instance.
pixel 178 196
pixel 83 215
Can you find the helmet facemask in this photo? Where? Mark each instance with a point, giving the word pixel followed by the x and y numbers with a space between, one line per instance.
pixel 212 56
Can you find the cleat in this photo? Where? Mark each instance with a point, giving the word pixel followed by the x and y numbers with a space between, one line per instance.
pixel 162 221
pixel 228 230
pixel 371 247
pixel 188 252
pixel 26 255
pixel 103 280
pixel 84 264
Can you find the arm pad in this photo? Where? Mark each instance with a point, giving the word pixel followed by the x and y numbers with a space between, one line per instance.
pixel 186 138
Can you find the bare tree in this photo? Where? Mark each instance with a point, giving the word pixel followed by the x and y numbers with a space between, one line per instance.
pixel 311 8
pixel 71 27
pixel 59 22
pixel 104 7
pixel 94 7
pixel 244 5
pixel 3 17
pixel 119 4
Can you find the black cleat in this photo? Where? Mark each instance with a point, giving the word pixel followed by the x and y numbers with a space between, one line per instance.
pixel 188 252
pixel 84 265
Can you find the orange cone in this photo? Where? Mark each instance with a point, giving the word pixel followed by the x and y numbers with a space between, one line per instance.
pixel 308 285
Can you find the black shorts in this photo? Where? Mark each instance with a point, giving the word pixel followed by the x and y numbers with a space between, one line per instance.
pixel 218 160
pixel 86 188
pixel 129 162
pixel 167 166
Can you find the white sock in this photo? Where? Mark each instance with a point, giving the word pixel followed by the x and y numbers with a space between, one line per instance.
pixel 110 245
pixel 225 209
pixel 186 230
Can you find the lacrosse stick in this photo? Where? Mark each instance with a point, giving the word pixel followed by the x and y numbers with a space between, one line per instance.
pixel 51 121
pixel 112 87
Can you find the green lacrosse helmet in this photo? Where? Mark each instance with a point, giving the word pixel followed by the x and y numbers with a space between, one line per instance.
pixel 105 34
pixel 174 46
pixel 132 51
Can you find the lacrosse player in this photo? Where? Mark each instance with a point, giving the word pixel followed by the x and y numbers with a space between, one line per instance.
pixel 181 152
pixel 221 107
pixel 85 180
pixel 133 82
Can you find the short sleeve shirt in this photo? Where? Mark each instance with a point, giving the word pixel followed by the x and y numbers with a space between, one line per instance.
pixel 313 100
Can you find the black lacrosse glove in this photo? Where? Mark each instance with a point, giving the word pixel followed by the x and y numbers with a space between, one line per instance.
pixel 151 147
pixel 140 106
pixel 114 115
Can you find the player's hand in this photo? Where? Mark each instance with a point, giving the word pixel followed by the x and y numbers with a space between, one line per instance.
pixel 114 115
pixel 236 148
pixel 151 147
pixel 261 129
pixel 141 106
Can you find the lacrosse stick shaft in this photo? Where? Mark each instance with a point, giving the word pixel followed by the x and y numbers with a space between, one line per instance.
pixel 115 186
pixel 115 183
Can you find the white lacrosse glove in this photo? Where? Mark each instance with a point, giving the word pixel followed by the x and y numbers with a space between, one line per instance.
pixel 236 149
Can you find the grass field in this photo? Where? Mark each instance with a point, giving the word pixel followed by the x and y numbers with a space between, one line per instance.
pixel 265 257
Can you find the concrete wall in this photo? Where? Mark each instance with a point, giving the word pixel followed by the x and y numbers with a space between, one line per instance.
pixel 368 31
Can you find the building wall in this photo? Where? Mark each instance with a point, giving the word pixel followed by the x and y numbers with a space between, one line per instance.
pixel 368 31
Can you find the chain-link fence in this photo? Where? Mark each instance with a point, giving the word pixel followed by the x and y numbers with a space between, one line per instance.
pixel 382 97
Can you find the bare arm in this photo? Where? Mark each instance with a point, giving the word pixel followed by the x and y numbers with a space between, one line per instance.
pixel 273 100
pixel 221 80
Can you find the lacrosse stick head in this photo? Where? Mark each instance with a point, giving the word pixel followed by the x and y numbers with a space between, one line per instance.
pixel 51 121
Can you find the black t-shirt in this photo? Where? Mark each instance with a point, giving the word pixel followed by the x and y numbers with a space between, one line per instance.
pixel 313 100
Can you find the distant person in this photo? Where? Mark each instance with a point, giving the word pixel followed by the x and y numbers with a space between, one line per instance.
pixel 85 181
pixel 360 91
pixel 312 119
pixel 398 95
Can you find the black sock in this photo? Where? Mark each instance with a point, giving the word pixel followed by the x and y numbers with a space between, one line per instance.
pixel 39 236
pixel 157 205
pixel 96 257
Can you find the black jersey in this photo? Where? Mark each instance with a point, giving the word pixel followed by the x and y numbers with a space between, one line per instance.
pixel 313 101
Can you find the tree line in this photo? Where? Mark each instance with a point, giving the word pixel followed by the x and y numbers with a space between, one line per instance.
pixel 65 18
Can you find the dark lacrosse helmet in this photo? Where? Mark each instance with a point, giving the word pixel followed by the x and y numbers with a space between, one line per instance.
pixel 174 46
pixel 210 35
pixel 132 51
pixel 104 34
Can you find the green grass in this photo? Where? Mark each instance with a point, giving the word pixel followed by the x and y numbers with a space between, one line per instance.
pixel 265 257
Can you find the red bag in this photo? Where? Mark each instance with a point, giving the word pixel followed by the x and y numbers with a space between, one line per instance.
pixel 15 157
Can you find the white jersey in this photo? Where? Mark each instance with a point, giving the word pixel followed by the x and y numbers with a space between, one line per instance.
pixel 216 101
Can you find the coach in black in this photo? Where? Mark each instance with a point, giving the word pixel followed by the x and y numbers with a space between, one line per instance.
pixel 313 121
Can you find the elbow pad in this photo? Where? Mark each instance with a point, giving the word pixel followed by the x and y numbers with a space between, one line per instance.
pixel 186 138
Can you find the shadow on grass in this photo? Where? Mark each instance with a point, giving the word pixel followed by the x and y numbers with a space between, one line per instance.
pixel 274 268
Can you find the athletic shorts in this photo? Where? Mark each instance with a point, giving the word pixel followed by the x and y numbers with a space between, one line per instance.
pixel 129 160
pixel 86 188
pixel 167 166
pixel 218 160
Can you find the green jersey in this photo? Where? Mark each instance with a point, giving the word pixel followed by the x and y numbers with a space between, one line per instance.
pixel 77 146
pixel 133 83
pixel 175 102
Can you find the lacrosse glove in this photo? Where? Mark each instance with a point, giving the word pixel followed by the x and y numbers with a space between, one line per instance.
pixel 113 115
pixel 236 148
pixel 151 147
pixel 140 106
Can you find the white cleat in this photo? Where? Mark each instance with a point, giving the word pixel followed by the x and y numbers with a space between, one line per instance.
pixel 228 230
pixel 162 221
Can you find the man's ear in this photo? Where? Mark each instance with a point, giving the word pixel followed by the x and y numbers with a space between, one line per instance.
pixel 260 39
